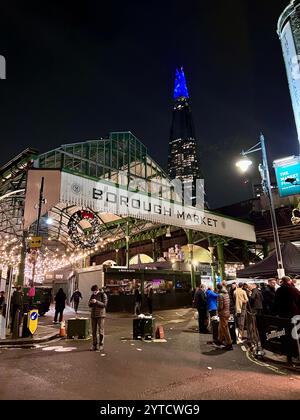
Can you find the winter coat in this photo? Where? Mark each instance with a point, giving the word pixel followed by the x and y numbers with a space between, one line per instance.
pixel 212 300
pixel 269 300
pixel 241 298
pixel 200 301
pixel 224 304
pixel 60 301
pixel 256 301
pixel 287 301
pixel 98 309
pixel 76 296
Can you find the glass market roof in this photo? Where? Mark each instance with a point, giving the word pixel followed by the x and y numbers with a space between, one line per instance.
pixel 121 158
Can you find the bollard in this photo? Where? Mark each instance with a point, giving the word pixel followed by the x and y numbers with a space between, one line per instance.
pixel 16 325
pixel 62 330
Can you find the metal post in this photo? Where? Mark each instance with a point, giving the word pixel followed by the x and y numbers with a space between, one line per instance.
pixel 191 256
pixel 127 244
pixel 221 262
pixel 153 249
pixel 41 202
pixel 21 275
pixel 211 250
pixel 266 249
pixel 245 253
pixel 8 300
pixel 117 256
pixel 267 187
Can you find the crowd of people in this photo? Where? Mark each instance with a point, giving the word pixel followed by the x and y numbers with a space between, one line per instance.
pixel 242 303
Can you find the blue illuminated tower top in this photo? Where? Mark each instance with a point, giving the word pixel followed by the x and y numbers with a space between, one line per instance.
pixel 180 88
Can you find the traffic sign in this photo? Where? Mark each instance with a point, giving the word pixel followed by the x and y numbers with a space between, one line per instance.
pixel 35 242
pixel 33 317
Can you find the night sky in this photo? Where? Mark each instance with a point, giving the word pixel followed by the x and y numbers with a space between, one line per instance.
pixel 75 72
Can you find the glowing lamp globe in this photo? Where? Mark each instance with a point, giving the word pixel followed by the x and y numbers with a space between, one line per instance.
pixel 244 164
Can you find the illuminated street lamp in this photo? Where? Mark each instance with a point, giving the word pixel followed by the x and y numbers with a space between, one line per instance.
pixel 244 164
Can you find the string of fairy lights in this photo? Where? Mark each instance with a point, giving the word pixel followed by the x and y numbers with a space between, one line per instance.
pixel 55 253
pixel 51 257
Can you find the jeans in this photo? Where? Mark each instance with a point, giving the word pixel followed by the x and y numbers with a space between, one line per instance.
pixel 98 329
pixel 60 312
pixel 240 319
pixel 137 308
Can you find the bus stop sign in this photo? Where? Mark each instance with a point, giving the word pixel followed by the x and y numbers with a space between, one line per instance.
pixel 33 317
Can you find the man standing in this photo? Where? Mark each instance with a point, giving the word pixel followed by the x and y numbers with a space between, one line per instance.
pixel 256 300
pixel 98 303
pixel 287 305
pixel 241 300
pixel 76 298
pixel 201 305
pixel 269 298
pixel 224 315
pixel 287 299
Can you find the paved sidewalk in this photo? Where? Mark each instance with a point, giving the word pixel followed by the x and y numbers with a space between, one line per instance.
pixel 42 335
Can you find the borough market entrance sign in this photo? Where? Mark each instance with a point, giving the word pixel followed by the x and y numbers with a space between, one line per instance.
pixel 106 197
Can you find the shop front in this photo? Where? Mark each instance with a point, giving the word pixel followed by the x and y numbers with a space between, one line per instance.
pixel 171 289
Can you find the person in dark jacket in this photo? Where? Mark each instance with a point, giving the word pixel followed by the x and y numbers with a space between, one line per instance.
pixel 60 304
pixel 255 300
pixel 201 305
pixel 269 298
pixel 76 298
pixel 16 304
pixel 287 305
pixel 98 304
pixel 287 299
pixel 232 298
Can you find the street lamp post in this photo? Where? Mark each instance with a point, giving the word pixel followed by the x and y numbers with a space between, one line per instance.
pixel 244 165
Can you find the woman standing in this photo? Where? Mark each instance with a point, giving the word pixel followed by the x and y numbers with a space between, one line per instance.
pixel 60 304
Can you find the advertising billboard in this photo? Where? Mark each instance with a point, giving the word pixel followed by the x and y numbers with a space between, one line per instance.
pixel 293 70
pixel 288 176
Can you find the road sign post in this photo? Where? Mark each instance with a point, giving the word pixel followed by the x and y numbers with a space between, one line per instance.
pixel 33 317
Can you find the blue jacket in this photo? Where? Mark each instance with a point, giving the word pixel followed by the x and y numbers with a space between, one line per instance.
pixel 212 300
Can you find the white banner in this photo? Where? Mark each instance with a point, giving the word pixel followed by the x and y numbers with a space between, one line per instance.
pixel 293 70
pixel 104 197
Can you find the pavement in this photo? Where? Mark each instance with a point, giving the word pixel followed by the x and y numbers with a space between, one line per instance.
pixel 181 367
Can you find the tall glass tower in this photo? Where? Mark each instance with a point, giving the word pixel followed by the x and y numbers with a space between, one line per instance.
pixel 183 161
pixel 289 35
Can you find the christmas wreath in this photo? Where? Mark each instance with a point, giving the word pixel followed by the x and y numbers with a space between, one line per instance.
pixel 84 228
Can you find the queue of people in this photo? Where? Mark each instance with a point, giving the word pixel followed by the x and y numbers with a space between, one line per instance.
pixel 243 302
